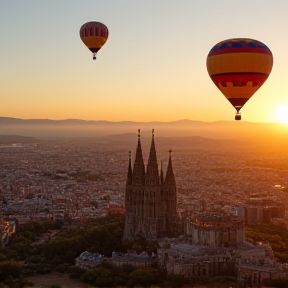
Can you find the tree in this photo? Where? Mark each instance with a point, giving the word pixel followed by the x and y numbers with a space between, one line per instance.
pixel 145 277
pixel 9 268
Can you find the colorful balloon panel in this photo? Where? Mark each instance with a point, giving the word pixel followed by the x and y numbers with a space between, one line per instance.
pixel 94 35
pixel 239 67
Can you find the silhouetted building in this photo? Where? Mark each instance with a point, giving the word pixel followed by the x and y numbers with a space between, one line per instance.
pixel 150 200
pixel 258 211
pixel 216 230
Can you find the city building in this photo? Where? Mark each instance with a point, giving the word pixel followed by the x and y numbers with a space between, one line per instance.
pixel 215 230
pixel 150 200
pixel 259 211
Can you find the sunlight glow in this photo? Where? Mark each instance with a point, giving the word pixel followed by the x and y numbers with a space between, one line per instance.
pixel 281 114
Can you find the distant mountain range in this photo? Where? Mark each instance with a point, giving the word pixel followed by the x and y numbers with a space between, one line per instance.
pixel 180 128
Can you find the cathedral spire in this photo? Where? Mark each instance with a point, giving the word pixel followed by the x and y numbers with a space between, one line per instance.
pixel 129 173
pixel 138 175
pixel 152 175
pixel 170 178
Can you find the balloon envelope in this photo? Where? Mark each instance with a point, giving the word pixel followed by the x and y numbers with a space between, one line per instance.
pixel 239 67
pixel 94 35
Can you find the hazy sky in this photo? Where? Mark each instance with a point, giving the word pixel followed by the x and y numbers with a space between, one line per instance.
pixel 152 68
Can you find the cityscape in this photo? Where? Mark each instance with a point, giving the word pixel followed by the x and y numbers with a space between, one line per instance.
pixel 143 144
pixel 94 170
pixel 79 180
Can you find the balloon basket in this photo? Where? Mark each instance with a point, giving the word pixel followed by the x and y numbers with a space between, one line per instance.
pixel 238 117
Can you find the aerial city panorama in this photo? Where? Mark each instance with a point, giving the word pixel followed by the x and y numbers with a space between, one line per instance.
pixel 122 164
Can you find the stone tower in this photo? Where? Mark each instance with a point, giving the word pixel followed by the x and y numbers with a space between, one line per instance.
pixel 169 200
pixel 150 200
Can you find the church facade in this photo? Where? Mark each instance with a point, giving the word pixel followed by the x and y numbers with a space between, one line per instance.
pixel 150 198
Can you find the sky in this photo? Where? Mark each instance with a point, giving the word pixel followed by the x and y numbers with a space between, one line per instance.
pixel 152 68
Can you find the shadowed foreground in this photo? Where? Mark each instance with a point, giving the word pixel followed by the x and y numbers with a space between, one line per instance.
pixel 63 280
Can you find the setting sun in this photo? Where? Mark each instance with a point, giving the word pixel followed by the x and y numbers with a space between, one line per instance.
pixel 281 114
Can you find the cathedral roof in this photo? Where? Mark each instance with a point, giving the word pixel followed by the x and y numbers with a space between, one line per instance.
pixel 170 178
pixel 138 175
pixel 152 175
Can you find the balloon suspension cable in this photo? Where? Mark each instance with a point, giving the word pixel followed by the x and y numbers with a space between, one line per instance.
pixel 94 56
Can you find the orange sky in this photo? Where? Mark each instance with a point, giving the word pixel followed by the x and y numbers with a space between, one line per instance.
pixel 152 68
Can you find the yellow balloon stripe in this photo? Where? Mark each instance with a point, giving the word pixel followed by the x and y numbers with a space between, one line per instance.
pixel 94 41
pixel 239 62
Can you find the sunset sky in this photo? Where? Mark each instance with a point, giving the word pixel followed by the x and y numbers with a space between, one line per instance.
pixel 152 68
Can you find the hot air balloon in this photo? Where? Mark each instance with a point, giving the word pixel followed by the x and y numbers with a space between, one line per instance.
pixel 239 67
pixel 94 35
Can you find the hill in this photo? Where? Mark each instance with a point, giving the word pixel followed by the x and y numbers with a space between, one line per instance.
pixel 82 128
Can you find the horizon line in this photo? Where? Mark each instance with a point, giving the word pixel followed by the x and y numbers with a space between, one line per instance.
pixel 158 121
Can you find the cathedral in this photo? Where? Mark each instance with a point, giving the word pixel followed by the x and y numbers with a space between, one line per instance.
pixel 150 199
pixel 212 242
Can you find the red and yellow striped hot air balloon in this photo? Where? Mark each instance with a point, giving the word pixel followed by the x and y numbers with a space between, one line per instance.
pixel 94 35
pixel 239 67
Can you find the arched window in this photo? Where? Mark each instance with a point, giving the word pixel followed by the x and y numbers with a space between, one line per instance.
pixel 97 31
pixel 102 33
pixel 86 32
pixel 91 31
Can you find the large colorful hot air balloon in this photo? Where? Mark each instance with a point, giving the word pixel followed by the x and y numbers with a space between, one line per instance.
pixel 94 35
pixel 239 67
